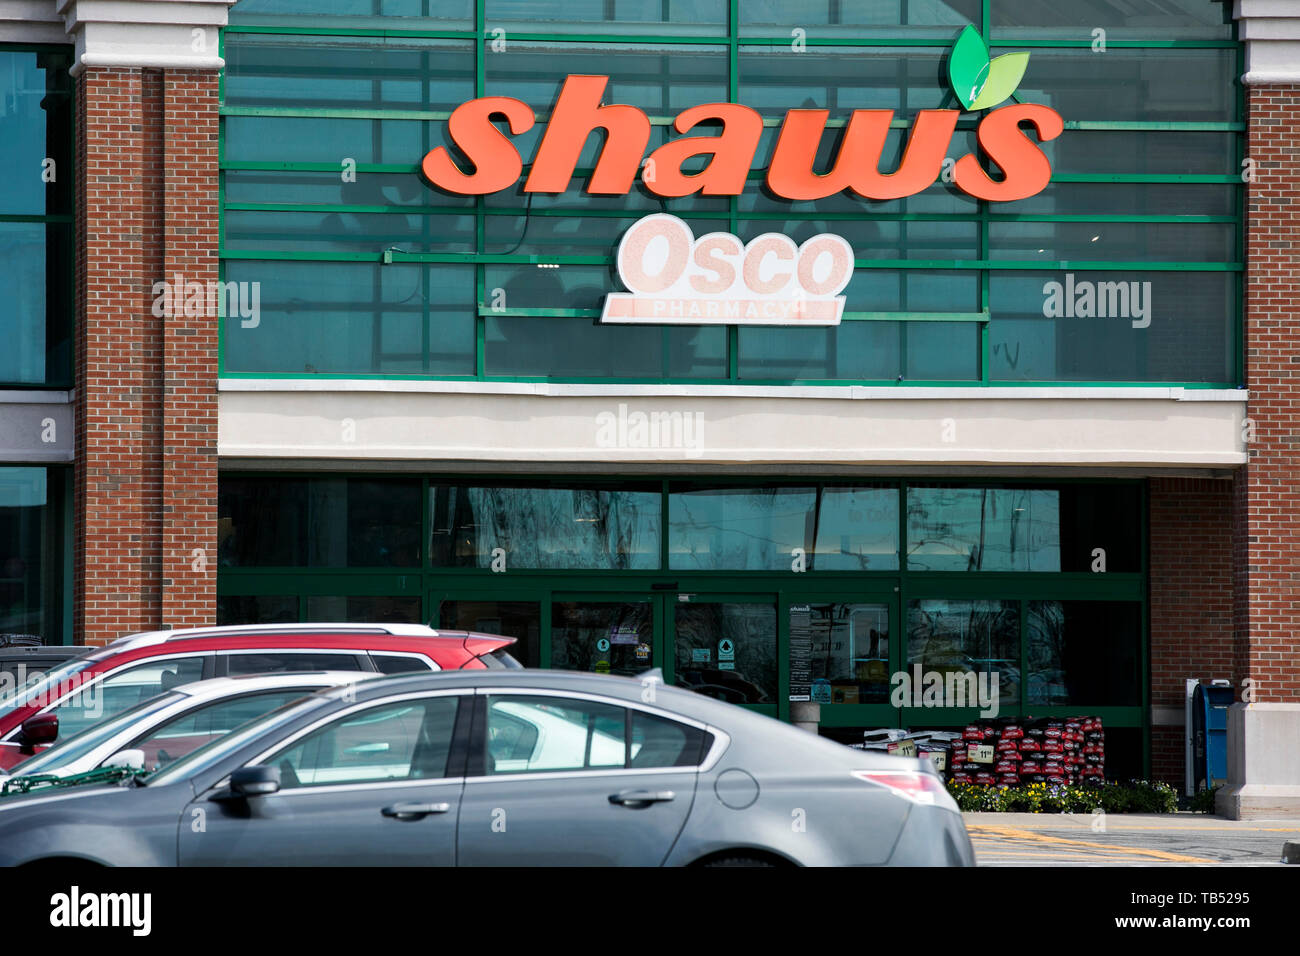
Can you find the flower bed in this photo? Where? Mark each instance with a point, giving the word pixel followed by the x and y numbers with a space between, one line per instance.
pixel 1136 796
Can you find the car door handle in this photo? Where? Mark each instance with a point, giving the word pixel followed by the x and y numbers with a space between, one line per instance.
pixel 414 811
pixel 640 798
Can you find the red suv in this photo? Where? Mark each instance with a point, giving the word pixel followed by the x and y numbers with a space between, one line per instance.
pixel 104 681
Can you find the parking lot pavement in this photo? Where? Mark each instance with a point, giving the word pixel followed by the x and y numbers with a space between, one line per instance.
pixel 1176 839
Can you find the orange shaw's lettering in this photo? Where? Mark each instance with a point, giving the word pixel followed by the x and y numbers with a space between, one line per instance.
pixel 857 163
pixel 1000 137
pixel 733 153
pixel 576 114
pixel 496 162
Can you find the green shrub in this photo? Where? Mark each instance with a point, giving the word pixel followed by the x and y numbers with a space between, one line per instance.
pixel 1203 802
pixel 1136 796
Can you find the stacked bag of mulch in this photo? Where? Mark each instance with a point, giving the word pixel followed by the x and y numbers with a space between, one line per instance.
pixel 1013 753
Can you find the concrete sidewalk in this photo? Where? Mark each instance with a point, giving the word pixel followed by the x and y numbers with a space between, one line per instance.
pixel 1173 839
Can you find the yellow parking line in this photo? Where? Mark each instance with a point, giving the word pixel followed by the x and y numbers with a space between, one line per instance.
pixel 1032 837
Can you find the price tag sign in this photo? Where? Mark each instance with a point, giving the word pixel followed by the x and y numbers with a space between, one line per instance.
pixel 980 753
pixel 902 748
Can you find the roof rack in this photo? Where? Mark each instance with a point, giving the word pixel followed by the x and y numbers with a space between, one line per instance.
pixel 297 627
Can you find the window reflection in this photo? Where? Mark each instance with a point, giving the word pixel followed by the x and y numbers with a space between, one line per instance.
pixel 545 528
pixel 967 637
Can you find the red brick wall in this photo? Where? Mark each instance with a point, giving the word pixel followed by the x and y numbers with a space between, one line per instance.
pixel 1191 600
pixel 1267 515
pixel 146 386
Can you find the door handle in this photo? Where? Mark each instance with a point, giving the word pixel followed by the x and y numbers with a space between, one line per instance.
pixel 640 798
pixel 414 811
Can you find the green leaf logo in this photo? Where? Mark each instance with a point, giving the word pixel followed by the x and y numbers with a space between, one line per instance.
pixel 981 83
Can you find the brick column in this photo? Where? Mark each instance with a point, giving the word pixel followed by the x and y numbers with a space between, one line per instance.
pixel 1264 773
pixel 146 384
pixel 189 371
pixel 1191 603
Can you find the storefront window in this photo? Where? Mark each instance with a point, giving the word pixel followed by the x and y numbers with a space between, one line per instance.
pixel 519 528
pixel 36 254
pixel 1084 653
pixel 967 637
pixel 521 620
pixel 1072 528
pixel 839 653
pixel 604 637
pixel 257 609
pixel 319 522
pixel 31 547
pixel 364 609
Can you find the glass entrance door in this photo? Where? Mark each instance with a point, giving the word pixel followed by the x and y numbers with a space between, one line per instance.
pixel 725 646
pixel 606 634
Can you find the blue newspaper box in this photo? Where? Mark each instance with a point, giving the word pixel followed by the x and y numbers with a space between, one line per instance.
pixel 1210 706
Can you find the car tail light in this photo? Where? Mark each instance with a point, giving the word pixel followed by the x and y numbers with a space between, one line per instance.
pixel 915 785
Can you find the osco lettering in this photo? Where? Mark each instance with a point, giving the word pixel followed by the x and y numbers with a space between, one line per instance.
pixel 578 111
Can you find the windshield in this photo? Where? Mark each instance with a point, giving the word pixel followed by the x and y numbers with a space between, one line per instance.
pixel 78 745
pixel 40 683
pixel 209 754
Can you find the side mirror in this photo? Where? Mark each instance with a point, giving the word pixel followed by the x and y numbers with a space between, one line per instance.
pixel 255 781
pixel 41 729
pixel 131 759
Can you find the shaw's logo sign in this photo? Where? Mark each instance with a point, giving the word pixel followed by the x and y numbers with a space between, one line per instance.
pixel 979 83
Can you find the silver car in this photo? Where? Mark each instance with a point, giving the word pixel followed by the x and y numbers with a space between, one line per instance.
pixel 503 768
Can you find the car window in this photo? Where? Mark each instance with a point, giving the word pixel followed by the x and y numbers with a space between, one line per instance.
pixel 399 664
pixel 124 689
pixel 659 742
pixel 553 733
pixel 187 732
pixel 411 739
pixel 284 663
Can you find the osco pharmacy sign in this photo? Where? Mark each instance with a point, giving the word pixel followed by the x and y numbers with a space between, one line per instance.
pixel 979 83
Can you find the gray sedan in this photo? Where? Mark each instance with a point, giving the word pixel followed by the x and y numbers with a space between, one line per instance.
pixel 502 768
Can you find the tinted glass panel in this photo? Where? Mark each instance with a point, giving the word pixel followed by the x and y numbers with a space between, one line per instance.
pixel 760 528
pixel 605 637
pixel 37 95
pixel 257 609
pixel 518 619
pixel 916 15
pixel 657 742
pixel 1024 529
pixel 1149 19
pixel 1084 653
pixel 536 734
pixel 1113 326
pixel 410 740
pixel 364 609
pixel 839 653
pixel 358 73
pixel 727 650
pixel 35 281
pixel 29 531
pixel 398 664
pixel 344 317
pixel 123 689
pixel 521 527
pixel 325 522
pixel 187 733
pixel 981 638
pixel 983 529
